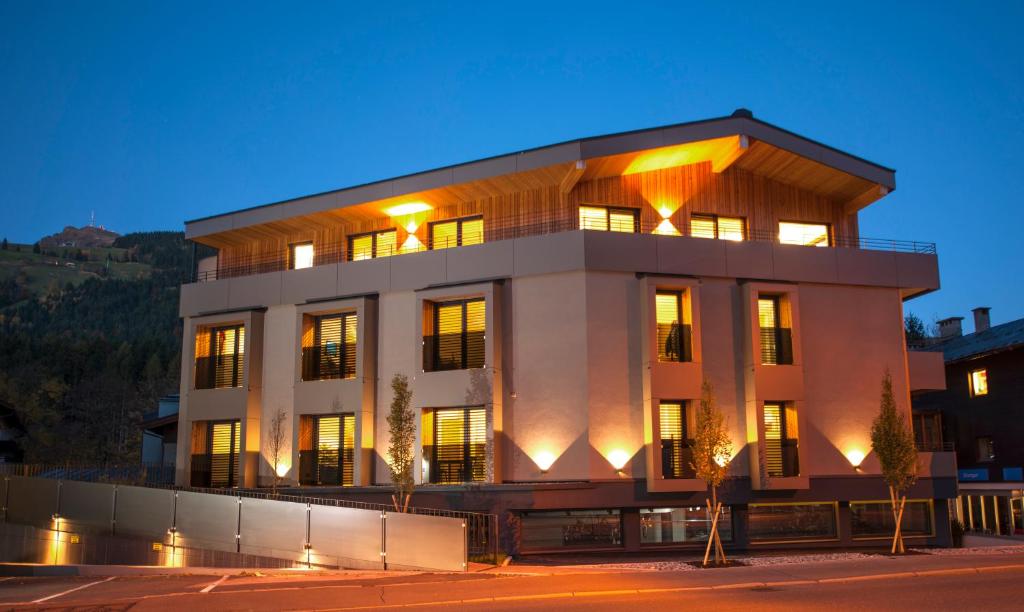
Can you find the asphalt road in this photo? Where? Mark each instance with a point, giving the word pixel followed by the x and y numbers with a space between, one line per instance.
pixel 788 589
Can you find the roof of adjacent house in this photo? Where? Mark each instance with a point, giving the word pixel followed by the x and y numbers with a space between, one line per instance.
pixel 994 339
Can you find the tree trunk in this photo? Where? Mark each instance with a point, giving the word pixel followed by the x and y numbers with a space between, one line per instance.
pixel 898 504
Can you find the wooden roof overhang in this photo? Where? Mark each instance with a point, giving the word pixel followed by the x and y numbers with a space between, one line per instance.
pixel 738 140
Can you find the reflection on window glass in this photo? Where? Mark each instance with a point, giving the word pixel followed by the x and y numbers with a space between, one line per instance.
pixel 674 525
pixel 807 234
pixel 874 519
pixel 302 256
pixel 791 521
pixel 571 529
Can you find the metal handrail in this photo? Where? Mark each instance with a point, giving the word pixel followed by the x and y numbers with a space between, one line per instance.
pixel 521 226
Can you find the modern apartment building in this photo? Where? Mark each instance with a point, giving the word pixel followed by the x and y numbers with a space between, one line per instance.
pixel 556 311
pixel 979 415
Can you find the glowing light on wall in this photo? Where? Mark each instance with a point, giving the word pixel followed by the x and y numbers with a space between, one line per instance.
pixel 855 456
pixel 282 469
pixel 618 458
pixel 544 459
pixel 409 208
pixel 412 244
pixel 412 226
pixel 665 228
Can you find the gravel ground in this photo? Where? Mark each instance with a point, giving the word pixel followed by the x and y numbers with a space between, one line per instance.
pixel 1017 549
pixel 681 565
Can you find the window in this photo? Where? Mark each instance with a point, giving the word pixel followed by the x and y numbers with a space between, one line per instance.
pixel 374 244
pixel 781 450
pixel 675 449
pixel 215 449
pixel 609 219
pixel 674 340
pixel 220 357
pixel 570 529
pixel 928 431
pixel 301 256
pixel 978 380
pixel 457 232
pixel 776 340
pixel 681 525
pixel 774 522
pixel 454 335
pixel 986 449
pixel 327 450
pixel 874 519
pixel 713 226
pixel 329 346
pixel 807 234
pixel 455 445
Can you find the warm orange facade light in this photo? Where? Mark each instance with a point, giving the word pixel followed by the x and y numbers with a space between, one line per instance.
pixel 409 208
pixel 665 228
pixel 544 460
pixel 618 458
pixel 855 456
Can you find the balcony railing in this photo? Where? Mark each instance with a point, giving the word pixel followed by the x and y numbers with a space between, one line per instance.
pixel 518 226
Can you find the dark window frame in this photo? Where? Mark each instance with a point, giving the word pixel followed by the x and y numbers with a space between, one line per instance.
pixel 204 471
pixel 789 448
pixel 312 366
pixel 213 356
pixel 634 212
pixel 714 217
pixel 432 344
pixel 373 243
pixel 683 331
pixel 309 459
pixel 991 449
pixel 679 448
pixel 781 337
pixel 434 475
pixel 459 222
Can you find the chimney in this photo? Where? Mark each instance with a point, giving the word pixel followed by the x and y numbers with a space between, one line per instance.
pixel 950 328
pixel 981 321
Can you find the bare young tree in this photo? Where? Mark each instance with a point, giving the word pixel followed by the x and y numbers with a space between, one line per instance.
pixel 276 442
pixel 712 451
pixel 402 429
pixel 892 441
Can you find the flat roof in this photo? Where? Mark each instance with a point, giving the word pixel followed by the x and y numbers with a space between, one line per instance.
pixel 741 122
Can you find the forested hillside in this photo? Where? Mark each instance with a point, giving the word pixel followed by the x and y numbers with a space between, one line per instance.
pixel 82 361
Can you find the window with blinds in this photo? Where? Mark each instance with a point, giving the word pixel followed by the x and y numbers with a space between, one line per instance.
pixel 781 459
pixel 608 219
pixel 776 340
pixel 714 226
pixel 455 445
pixel 223 448
pixel 674 341
pixel 220 357
pixel 676 456
pixel 456 232
pixel 454 338
pixel 329 347
pixel 327 450
pixel 372 245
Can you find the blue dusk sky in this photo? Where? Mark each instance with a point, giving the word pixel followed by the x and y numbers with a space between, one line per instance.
pixel 153 113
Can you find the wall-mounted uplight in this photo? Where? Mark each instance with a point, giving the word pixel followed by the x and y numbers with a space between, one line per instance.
pixel 618 458
pixel 282 469
pixel 855 456
pixel 544 460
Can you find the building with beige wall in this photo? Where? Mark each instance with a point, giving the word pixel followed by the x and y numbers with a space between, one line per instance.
pixel 556 311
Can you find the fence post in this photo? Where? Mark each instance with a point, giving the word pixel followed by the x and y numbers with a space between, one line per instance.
pixel 384 539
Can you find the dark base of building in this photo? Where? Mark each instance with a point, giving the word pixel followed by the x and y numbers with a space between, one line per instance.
pixel 612 516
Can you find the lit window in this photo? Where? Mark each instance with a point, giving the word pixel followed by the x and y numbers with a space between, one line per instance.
pixel 608 219
pixel 455 445
pixel 780 440
pixel 776 340
pixel 374 244
pixel 979 382
pixel 675 451
pixel 327 450
pixel 220 357
pixel 457 232
pixel 673 330
pixel 713 226
pixel 302 256
pixel 454 335
pixel 216 446
pixel 329 346
pixel 807 234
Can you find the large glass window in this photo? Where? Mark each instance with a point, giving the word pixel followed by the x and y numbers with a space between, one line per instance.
pixel 609 219
pixel 676 455
pixel 373 244
pixel 874 519
pixel 455 445
pixel 216 446
pixel 301 256
pixel 457 232
pixel 329 346
pixel 978 380
pixel 714 226
pixel 674 335
pixel 454 335
pixel 571 529
pixel 807 234
pixel 682 525
pixel 220 357
pixel 776 340
pixel 327 450
pixel 781 443
pixel 780 522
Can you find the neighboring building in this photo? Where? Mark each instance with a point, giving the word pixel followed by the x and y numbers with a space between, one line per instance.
pixel 160 433
pixel 11 433
pixel 981 414
pixel 556 372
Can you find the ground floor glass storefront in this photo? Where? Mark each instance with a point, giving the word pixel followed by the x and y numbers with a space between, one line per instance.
pixel 571 529
pixel 875 519
pixel 682 525
pixel 788 522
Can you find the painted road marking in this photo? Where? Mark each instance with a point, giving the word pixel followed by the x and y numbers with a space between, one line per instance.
pixel 214 585
pixel 77 588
